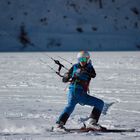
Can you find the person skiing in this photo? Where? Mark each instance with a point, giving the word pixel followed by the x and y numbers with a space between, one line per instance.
pixel 79 76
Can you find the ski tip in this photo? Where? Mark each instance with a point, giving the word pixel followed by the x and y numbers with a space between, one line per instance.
pixel 120 130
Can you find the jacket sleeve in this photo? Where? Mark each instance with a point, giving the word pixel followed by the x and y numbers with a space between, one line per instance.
pixel 92 73
pixel 67 75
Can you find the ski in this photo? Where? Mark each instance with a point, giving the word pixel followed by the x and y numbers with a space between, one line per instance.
pixel 86 130
pixel 80 130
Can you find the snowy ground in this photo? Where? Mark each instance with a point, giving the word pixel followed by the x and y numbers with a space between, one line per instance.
pixel 32 96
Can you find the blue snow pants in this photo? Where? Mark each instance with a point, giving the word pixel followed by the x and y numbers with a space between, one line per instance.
pixel 78 95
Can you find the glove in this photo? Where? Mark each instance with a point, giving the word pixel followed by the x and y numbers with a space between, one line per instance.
pixel 65 78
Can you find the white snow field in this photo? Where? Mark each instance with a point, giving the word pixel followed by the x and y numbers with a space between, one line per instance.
pixel 32 96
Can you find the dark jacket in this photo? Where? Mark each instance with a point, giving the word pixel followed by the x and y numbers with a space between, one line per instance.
pixel 80 75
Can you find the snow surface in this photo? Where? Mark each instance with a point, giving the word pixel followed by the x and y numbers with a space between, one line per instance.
pixel 69 25
pixel 32 95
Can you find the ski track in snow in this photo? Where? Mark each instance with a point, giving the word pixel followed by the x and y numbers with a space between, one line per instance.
pixel 32 96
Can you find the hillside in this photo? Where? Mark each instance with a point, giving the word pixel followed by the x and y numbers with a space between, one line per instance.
pixel 69 25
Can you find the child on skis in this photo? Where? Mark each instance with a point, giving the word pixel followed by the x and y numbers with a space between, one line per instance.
pixel 79 76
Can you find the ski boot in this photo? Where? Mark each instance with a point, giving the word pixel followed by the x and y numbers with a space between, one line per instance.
pixel 59 127
pixel 93 125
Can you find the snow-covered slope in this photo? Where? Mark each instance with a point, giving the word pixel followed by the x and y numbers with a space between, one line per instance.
pixel 32 96
pixel 58 25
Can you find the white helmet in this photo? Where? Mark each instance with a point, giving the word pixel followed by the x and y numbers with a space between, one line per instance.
pixel 83 56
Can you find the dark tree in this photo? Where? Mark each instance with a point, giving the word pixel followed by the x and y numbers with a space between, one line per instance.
pixel 100 4
pixel 23 37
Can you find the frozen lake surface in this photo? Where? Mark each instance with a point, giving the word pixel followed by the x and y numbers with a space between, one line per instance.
pixel 32 95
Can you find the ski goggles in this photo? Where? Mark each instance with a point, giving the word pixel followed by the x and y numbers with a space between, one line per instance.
pixel 83 59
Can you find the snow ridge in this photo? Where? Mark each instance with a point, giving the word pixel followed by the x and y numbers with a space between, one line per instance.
pixel 68 25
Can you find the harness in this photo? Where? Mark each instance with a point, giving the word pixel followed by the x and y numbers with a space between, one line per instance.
pixel 83 84
pixel 82 79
